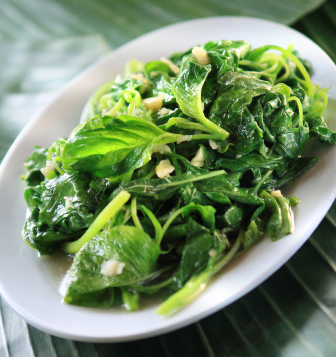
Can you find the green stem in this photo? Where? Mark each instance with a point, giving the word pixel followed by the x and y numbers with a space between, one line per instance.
pixel 134 213
pixel 183 138
pixel 104 216
pixel 300 66
pixel 152 288
pixel 151 174
pixel 58 168
pixel 127 216
pixel 299 107
pixel 206 137
pixel 117 107
pixel 221 133
pixel 278 59
pixel 130 299
pixel 146 279
pixel 169 221
pixel 196 285
pixel 156 224
pixel 322 94
pixel 192 179
pixel 257 187
pixel 186 124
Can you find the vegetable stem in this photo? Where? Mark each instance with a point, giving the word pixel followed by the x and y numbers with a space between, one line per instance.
pixel 186 124
pixel 117 107
pixel 182 182
pixel 130 299
pixel 170 220
pixel 135 214
pixel 300 66
pixel 156 224
pixel 297 100
pixel 198 283
pixel 104 216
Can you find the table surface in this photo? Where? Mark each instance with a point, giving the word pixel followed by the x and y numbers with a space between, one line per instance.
pixel 293 313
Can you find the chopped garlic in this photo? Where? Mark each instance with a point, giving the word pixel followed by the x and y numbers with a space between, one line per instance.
pixel 138 76
pixel 121 267
pixel 67 202
pixel 145 81
pixel 164 169
pixel 118 79
pixel 238 156
pixel 112 268
pixel 198 160
pixel 201 56
pixel 161 148
pixel 163 111
pixel 212 253
pixel 172 66
pixel 276 193
pixel 154 103
pixel 183 138
pixel 213 144
pixel 49 167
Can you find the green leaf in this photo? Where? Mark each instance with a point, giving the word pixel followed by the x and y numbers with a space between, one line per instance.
pixel 127 245
pixel 162 189
pixel 281 220
pixel 222 185
pixel 195 254
pixel 61 209
pixel 111 147
pixel 35 162
pixel 187 89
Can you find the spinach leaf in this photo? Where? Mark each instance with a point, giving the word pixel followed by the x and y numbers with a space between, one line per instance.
pixel 230 51
pixel 110 147
pixel 224 107
pixel 253 233
pixel 187 89
pixel 160 76
pixel 62 208
pixel 225 55
pixel 34 163
pixel 221 185
pixel 249 161
pixel 127 245
pixel 230 109
pixel 319 129
pixel 195 256
pixel 293 169
pixel 233 216
pixel 162 189
pixel 281 221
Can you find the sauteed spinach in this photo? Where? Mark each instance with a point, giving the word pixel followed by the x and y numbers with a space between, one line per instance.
pixel 175 169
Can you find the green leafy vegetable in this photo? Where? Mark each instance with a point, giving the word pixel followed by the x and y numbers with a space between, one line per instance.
pixel 127 245
pixel 158 198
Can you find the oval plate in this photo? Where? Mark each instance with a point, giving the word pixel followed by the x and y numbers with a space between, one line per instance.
pixel 30 284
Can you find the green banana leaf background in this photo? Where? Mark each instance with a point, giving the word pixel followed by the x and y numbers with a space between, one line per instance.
pixel 43 45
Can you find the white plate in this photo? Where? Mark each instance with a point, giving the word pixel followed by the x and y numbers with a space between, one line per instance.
pixel 30 284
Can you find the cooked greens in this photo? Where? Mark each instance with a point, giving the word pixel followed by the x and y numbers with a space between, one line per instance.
pixel 175 169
